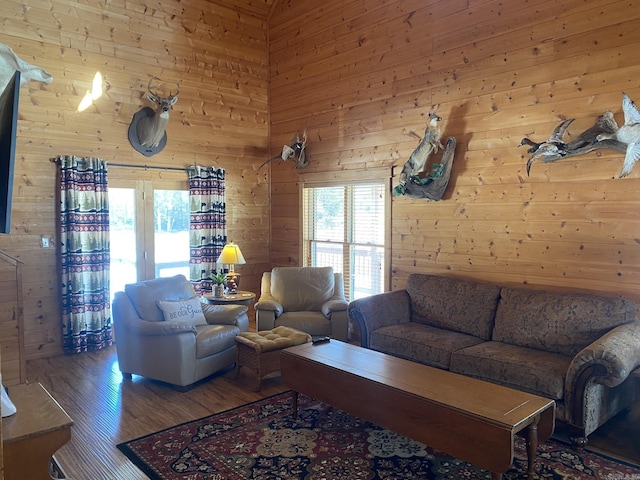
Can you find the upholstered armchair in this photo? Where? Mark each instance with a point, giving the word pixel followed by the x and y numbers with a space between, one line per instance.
pixel 310 299
pixel 165 333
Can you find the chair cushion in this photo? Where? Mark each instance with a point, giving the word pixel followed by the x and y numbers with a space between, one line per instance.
pixel 188 311
pixel 144 295
pixel 314 323
pixel 302 288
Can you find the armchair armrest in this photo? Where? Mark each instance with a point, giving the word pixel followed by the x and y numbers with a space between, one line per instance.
pixel 223 314
pixel 376 311
pixel 607 361
pixel 267 302
pixel 334 305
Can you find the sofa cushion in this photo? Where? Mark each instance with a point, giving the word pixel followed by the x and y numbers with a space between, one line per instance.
pixel 188 310
pixel 464 306
pixel 302 288
pixel 557 322
pixel 533 371
pixel 144 295
pixel 420 343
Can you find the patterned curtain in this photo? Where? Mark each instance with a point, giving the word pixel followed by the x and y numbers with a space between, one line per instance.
pixel 208 224
pixel 84 254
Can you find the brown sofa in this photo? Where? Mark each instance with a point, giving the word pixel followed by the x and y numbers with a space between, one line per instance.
pixel 577 349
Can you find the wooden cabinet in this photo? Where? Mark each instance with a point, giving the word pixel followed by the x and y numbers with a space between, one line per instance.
pixel 33 434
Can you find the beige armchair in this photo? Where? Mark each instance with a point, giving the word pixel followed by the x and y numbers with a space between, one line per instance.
pixel 163 332
pixel 310 299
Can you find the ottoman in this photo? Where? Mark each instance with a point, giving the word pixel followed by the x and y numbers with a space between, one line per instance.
pixel 260 351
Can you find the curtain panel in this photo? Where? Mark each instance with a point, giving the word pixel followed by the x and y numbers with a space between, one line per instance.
pixel 208 224
pixel 84 254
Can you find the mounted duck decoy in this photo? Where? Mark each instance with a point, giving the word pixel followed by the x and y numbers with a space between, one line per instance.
pixel 554 147
pixel 629 134
pixel 533 146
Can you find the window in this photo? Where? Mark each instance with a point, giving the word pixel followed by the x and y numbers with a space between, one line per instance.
pixel 345 227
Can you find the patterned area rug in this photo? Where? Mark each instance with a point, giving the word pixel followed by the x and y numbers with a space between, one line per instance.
pixel 262 441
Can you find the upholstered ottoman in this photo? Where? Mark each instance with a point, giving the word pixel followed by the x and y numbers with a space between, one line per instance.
pixel 260 351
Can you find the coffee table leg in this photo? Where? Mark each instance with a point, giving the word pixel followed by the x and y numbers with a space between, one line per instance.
pixel 532 446
pixel 496 476
pixel 294 401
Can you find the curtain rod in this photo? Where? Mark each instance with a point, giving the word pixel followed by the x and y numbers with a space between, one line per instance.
pixel 147 167
pixel 131 165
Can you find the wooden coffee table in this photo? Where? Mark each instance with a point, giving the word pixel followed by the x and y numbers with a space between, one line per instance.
pixel 470 419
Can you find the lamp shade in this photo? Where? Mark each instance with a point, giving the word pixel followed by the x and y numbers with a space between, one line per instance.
pixel 231 255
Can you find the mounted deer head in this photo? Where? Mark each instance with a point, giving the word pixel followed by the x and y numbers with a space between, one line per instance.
pixel 151 128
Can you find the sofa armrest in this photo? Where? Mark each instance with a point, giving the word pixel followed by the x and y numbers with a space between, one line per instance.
pixel 616 354
pixel 607 361
pixel 381 310
pixel 224 314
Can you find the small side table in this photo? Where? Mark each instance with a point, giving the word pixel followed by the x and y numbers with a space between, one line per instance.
pixel 240 298
pixel 31 436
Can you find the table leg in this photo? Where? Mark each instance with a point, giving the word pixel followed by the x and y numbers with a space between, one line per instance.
pixel 532 446
pixel 496 476
pixel 294 401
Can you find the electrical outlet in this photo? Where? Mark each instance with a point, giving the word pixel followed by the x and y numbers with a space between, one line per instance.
pixel 45 241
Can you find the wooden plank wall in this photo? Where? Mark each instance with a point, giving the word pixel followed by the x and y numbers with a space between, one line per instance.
pixel 361 76
pixel 218 56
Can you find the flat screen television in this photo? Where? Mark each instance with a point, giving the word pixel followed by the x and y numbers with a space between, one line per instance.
pixel 8 130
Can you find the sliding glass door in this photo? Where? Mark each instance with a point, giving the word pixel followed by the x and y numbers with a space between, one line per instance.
pixel 149 231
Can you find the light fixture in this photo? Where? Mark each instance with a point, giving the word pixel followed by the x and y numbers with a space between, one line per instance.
pixel 94 94
pixel 231 255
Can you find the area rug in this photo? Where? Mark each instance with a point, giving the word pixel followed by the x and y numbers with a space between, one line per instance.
pixel 261 440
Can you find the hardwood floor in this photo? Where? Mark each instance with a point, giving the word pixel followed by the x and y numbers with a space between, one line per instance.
pixel 108 410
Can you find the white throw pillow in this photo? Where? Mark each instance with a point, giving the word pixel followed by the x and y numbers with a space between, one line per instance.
pixel 188 310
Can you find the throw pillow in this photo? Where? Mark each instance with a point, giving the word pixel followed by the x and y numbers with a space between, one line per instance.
pixel 189 310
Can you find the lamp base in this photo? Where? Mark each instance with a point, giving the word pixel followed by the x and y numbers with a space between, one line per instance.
pixel 233 282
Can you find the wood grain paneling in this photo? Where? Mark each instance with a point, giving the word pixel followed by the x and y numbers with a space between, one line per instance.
pixel 361 79
pixel 215 50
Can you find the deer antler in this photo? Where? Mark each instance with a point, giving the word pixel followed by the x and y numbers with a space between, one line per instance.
pixel 171 95
pixel 155 94
pixel 177 92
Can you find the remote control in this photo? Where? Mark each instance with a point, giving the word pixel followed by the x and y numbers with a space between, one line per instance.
pixel 317 340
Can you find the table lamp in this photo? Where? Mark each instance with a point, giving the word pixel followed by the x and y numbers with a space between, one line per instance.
pixel 231 255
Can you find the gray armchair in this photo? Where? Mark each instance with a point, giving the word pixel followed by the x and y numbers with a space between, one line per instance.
pixel 310 299
pixel 163 332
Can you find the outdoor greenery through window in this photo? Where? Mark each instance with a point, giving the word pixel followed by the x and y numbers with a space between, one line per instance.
pixel 163 254
pixel 171 221
pixel 344 226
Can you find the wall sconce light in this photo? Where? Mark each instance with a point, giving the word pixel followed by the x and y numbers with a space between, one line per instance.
pixel 231 255
pixel 93 94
